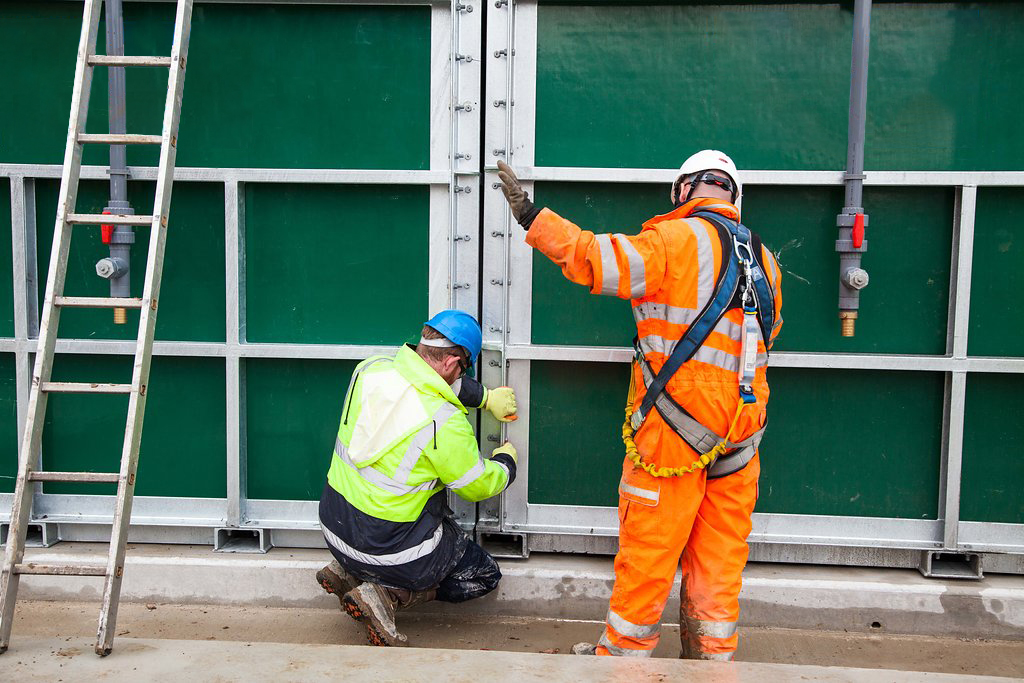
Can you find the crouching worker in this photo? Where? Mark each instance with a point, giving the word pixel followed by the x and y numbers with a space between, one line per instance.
pixel 404 441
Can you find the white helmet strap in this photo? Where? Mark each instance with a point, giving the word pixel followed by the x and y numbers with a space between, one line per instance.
pixel 441 343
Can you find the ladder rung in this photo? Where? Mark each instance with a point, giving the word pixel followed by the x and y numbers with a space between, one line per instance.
pixel 80 477
pixel 108 219
pixel 60 569
pixel 110 60
pixel 97 302
pixel 86 388
pixel 120 139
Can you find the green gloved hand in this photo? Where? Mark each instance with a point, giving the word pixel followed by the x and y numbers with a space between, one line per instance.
pixel 502 404
pixel 518 199
pixel 507 449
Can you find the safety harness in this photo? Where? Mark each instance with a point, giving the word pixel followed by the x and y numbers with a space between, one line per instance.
pixel 742 275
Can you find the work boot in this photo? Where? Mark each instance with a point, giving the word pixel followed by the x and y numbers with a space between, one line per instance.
pixel 584 649
pixel 404 599
pixel 335 580
pixel 375 606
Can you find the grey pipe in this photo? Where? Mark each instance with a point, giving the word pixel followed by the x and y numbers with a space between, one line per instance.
pixel 852 278
pixel 117 267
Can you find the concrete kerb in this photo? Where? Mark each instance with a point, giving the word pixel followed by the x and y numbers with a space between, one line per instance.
pixel 567 587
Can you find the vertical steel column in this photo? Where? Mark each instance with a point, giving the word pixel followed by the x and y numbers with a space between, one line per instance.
pixel 956 384
pixel 454 137
pixel 508 271
pixel 234 261
pixel 853 220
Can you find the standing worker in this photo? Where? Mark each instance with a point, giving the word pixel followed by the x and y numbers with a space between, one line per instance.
pixel 707 304
pixel 404 440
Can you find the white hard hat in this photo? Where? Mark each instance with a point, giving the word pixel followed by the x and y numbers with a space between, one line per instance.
pixel 709 160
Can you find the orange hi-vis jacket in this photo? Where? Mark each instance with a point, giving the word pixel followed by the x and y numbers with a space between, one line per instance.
pixel 669 271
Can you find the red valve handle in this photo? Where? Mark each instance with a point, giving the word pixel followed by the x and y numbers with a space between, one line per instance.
pixel 106 231
pixel 858 231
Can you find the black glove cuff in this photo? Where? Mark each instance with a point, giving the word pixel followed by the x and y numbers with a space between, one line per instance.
pixel 530 212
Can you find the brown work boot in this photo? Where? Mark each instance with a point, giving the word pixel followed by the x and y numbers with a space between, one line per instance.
pixel 335 580
pixel 404 599
pixel 375 606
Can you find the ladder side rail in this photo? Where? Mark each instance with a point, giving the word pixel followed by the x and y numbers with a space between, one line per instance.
pixel 32 435
pixel 147 327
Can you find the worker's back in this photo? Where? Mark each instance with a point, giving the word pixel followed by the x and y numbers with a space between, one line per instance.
pixel 706 385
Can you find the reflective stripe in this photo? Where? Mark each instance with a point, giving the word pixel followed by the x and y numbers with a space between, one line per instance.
pixel 711 207
pixel 420 440
pixel 378 478
pixel 637 272
pixel 652 496
pixel 508 475
pixel 609 268
pixel 616 651
pixel 629 629
pixel 472 474
pixel 710 629
pixel 402 557
pixel 653 343
pixel 676 315
pixel 772 273
pixel 705 263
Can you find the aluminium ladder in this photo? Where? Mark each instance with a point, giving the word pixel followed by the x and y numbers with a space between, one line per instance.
pixel 28 458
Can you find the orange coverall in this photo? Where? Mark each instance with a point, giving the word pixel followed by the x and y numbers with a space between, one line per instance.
pixel 669 272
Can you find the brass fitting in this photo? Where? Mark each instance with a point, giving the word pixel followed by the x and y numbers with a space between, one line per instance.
pixel 848 319
pixel 120 317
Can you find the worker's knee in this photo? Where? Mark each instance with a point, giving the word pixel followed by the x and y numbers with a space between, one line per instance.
pixel 474 576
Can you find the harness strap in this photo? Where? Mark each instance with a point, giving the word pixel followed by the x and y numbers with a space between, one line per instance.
pixel 696 435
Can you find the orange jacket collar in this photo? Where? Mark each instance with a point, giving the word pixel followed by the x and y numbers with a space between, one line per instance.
pixel 700 204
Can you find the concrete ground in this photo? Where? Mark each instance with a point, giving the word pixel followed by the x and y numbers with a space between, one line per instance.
pixel 48 659
pixel 66 629
pixel 200 611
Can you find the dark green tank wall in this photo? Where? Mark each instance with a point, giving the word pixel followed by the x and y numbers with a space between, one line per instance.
pixel 641 85
pixel 627 84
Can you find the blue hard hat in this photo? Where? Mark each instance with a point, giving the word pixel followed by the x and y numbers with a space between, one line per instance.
pixel 461 328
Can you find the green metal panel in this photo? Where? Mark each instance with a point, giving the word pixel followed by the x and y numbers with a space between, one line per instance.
pixel 183 439
pixel 6 276
pixel 904 310
pixel 859 443
pixel 997 276
pixel 268 86
pixel 292 412
pixel 8 423
pixel 886 466
pixel 192 293
pixel 629 86
pixel 576 446
pixel 993 469
pixel 314 257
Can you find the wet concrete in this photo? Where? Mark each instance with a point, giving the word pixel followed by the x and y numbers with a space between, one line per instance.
pixel 74 624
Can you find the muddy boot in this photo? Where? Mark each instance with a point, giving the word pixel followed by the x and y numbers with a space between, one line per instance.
pixel 335 580
pixel 405 599
pixel 374 606
pixel 584 649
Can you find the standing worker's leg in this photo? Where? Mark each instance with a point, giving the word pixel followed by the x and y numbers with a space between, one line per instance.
pixel 713 564
pixel 655 515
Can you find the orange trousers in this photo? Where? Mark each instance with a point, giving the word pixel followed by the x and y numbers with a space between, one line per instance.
pixel 691 522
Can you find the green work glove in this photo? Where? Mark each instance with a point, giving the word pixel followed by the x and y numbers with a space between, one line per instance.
pixel 523 209
pixel 502 404
pixel 507 449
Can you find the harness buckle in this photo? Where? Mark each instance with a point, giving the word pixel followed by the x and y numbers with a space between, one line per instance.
pixel 636 420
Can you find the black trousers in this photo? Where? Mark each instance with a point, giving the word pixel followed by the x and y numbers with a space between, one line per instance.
pixel 472 574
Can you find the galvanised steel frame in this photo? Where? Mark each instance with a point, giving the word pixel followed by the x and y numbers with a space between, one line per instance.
pixel 454 217
pixel 507 279
pixel 508 109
